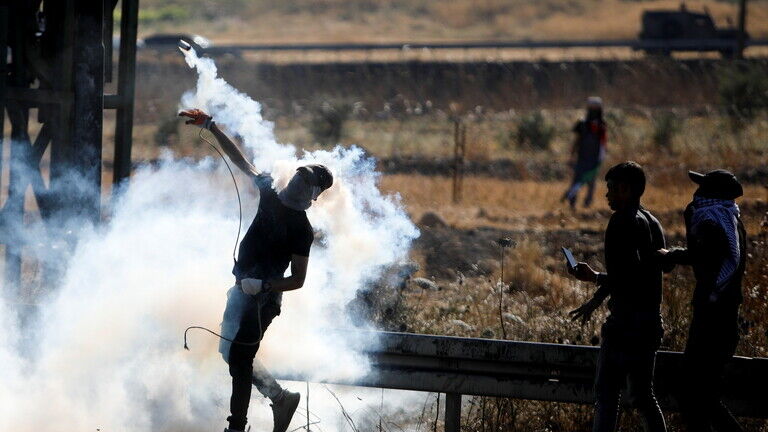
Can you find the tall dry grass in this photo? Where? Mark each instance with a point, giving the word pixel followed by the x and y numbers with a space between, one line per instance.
pixel 531 302
pixel 520 204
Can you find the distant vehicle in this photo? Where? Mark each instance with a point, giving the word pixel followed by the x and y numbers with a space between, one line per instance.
pixel 665 31
pixel 170 41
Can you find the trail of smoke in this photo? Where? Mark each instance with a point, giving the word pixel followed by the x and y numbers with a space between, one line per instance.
pixel 107 351
pixel 363 230
pixel 236 112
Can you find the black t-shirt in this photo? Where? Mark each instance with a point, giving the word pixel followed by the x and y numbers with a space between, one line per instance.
pixel 276 233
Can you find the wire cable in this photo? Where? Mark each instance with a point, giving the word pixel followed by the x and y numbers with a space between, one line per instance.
pixel 261 334
pixel 186 347
pixel 234 253
pixel 237 190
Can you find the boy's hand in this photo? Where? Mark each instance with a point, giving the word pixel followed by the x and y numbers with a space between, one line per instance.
pixel 197 117
pixel 666 258
pixel 583 272
pixel 585 311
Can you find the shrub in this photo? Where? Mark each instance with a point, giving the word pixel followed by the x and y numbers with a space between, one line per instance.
pixel 743 91
pixel 666 125
pixel 167 13
pixel 327 122
pixel 534 131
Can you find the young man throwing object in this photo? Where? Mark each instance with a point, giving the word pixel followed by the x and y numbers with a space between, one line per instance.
pixel 280 235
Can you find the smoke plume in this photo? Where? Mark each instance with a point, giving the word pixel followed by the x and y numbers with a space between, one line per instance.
pixel 105 351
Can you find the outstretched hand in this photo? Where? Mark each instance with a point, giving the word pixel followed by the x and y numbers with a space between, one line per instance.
pixel 197 117
pixel 584 312
pixel 583 272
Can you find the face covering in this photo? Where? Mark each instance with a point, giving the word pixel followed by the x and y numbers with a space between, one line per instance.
pixel 299 194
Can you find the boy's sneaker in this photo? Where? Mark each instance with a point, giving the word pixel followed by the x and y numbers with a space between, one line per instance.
pixel 572 202
pixel 283 408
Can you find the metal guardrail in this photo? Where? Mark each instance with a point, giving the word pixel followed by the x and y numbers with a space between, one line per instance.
pixel 533 371
pixel 636 44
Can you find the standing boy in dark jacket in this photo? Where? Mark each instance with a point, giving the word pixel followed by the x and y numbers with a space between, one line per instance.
pixel 717 252
pixel 588 152
pixel 632 332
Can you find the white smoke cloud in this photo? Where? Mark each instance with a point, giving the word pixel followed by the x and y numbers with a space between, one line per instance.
pixel 106 352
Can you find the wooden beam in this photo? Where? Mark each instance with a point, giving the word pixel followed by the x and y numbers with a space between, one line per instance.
pixel 87 116
pixel 3 74
pixel 64 29
pixel 8 282
pixel 113 101
pixel 36 97
pixel 35 177
pixel 109 6
pixel 125 90
pixel 13 210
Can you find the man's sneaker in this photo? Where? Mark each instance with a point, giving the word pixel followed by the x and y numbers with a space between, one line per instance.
pixel 283 408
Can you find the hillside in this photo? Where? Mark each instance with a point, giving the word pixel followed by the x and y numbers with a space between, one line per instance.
pixel 238 21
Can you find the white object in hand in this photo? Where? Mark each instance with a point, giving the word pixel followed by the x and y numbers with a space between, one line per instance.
pixel 251 286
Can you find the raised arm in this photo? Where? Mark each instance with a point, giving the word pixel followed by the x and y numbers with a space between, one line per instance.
pixel 201 119
pixel 233 151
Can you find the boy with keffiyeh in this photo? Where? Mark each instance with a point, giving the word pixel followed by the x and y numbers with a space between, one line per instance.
pixel 716 250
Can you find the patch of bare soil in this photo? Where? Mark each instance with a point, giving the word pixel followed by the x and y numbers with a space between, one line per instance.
pixel 449 252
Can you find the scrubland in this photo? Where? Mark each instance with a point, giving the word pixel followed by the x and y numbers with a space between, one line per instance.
pixel 675 128
pixel 513 190
pixel 535 293
pixel 237 21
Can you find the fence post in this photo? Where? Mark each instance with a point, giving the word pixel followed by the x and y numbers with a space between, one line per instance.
pixel 459 152
pixel 452 412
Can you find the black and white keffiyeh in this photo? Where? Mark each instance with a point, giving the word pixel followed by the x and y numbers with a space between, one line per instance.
pixel 724 213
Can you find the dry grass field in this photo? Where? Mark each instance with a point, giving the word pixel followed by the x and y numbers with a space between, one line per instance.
pixel 333 21
pixel 238 21
pixel 534 292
